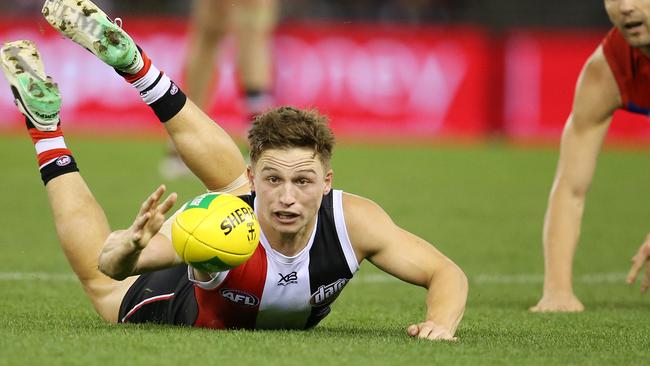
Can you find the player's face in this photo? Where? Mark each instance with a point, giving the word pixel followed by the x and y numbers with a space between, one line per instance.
pixel 632 18
pixel 290 185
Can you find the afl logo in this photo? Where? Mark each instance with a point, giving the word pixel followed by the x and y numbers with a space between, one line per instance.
pixel 173 90
pixel 239 297
pixel 63 160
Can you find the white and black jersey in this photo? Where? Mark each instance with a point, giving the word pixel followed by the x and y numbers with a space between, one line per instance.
pixel 269 291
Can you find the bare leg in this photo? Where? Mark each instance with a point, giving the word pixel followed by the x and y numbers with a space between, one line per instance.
pixel 206 148
pixel 255 21
pixel 209 24
pixel 82 229
pixel 80 222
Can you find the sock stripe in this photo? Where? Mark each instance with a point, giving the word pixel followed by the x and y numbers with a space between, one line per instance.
pixel 159 89
pixel 43 145
pixel 39 135
pixel 156 89
pixel 147 79
pixel 47 156
pixel 40 166
pixel 160 75
pixel 143 71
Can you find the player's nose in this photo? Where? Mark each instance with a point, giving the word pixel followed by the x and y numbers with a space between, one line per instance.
pixel 626 6
pixel 287 195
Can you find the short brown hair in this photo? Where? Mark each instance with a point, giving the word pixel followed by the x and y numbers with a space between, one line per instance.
pixel 288 127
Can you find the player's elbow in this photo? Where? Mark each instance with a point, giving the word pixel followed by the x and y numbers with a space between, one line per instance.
pixel 565 187
pixel 461 278
pixel 454 280
pixel 105 267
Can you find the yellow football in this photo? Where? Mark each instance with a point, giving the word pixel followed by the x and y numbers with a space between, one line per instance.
pixel 215 232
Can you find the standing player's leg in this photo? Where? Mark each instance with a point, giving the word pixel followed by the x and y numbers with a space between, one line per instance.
pixel 206 148
pixel 254 23
pixel 209 23
pixel 80 222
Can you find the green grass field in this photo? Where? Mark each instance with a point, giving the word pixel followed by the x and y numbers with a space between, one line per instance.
pixel 481 205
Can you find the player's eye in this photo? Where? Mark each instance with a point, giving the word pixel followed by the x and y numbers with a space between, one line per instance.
pixel 273 179
pixel 303 181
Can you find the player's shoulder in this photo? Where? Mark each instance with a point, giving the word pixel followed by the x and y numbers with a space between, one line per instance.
pixel 598 79
pixel 361 211
pixel 597 63
pixel 597 92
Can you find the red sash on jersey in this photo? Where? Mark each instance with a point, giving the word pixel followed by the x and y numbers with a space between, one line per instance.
pixel 234 304
pixel 631 70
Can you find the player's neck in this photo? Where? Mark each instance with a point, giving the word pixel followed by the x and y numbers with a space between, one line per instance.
pixel 290 244
pixel 645 50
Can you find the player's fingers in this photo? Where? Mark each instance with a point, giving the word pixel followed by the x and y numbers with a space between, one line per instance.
pixel 140 221
pixel 137 236
pixel 157 194
pixel 147 204
pixel 412 330
pixel 167 204
pixel 152 199
pixel 438 333
pixel 425 330
pixel 442 336
pixel 645 283
pixel 637 263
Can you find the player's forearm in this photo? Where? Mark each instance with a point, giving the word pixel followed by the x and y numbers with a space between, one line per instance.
pixel 446 297
pixel 119 257
pixel 561 234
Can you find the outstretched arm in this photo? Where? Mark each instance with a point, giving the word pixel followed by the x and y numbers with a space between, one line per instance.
pixel 374 236
pixel 595 101
pixel 140 248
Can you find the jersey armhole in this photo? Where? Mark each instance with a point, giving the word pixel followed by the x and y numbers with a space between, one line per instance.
pixel 342 231
pixel 611 57
pixel 216 280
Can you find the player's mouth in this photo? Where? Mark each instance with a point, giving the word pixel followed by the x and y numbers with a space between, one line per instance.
pixel 633 27
pixel 286 217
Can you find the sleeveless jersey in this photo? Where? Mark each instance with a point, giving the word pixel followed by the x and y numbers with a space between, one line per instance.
pixel 269 291
pixel 631 69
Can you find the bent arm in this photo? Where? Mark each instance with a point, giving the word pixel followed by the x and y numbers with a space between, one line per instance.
pixel 122 258
pixel 595 101
pixel 375 237
pixel 140 248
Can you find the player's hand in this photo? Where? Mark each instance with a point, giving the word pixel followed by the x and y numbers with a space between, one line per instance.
pixel 639 261
pixel 150 218
pixel 558 303
pixel 430 330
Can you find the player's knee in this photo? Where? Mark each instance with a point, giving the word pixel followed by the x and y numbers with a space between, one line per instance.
pixel 106 296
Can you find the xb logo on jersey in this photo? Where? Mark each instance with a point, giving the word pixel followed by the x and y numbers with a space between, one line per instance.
pixel 288 279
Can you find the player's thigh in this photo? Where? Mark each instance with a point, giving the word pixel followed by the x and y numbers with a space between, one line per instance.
pixel 212 16
pixel 108 295
pixel 254 17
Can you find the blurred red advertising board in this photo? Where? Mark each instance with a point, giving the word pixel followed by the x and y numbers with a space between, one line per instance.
pixel 371 80
pixel 541 69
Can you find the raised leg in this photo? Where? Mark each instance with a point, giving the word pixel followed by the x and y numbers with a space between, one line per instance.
pixel 80 222
pixel 207 149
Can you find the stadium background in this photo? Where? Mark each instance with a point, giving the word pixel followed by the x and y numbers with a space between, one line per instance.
pixel 469 86
pixel 419 68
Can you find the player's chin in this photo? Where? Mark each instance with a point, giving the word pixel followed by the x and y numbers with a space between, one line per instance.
pixel 638 40
pixel 287 226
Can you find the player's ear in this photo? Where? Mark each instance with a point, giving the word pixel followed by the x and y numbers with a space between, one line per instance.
pixel 250 175
pixel 329 176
